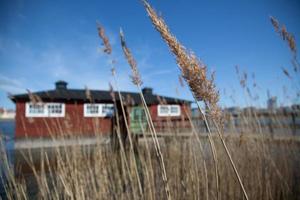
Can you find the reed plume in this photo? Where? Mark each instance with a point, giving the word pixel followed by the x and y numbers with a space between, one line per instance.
pixel 88 94
pixel 111 92
pixel 285 35
pixel 285 71
pixel 136 77
pixel 101 32
pixel 193 70
pixel 195 74
pixel 33 97
pixel 108 50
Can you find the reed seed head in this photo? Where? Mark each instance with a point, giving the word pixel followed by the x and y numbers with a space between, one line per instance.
pixel 275 23
pixel 111 92
pixel 101 32
pixel 285 71
pixel 88 94
pixel 295 64
pixel 285 35
pixel 193 70
pixel 129 100
pixel 136 78
pixel 34 98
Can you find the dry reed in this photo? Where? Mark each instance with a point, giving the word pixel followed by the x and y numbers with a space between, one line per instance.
pixel 268 165
pixel 285 35
pixel 137 81
pixel 101 32
pixel 108 50
pixel 195 75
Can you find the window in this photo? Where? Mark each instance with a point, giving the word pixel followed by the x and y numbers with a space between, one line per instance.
pixel 56 109
pixel 107 109
pixel 35 110
pixel 98 110
pixel 92 109
pixel 45 110
pixel 168 110
pixel 175 110
pixel 163 110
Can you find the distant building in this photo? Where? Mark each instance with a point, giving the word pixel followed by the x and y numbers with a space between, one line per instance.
pixel 274 120
pixel 233 110
pixel 89 112
pixel 296 107
pixel 272 103
pixel 7 113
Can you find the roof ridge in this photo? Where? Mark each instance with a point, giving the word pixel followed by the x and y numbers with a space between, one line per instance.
pixel 98 95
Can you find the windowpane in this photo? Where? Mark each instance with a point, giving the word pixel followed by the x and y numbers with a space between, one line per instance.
pixel 92 109
pixel 98 110
pixel 164 109
pixel 174 109
pixel 55 109
pixel 168 110
pixel 107 109
pixel 36 109
pixel 45 110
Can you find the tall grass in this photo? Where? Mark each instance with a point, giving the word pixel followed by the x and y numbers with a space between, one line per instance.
pixel 203 89
pixel 97 172
pixel 136 79
pixel 176 166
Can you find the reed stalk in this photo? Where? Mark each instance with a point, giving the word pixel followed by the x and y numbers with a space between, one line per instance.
pixel 136 79
pixel 108 50
pixel 130 138
pixel 194 72
pixel 201 149
pixel 123 153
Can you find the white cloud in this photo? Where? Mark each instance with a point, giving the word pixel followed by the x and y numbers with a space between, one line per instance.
pixel 10 85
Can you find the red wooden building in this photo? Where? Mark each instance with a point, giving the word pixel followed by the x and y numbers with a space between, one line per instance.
pixel 89 112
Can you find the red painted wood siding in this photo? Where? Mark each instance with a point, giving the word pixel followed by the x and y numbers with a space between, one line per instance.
pixel 167 123
pixel 73 123
pixel 184 109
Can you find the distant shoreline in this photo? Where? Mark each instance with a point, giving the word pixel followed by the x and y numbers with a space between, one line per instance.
pixel 6 119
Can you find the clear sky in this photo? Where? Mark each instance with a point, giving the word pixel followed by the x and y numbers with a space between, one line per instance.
pixel 44 41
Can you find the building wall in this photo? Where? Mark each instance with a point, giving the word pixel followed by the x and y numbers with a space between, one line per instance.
pixel 179 123
pixel 73 123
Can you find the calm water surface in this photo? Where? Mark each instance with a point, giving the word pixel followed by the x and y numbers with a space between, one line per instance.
pixel 7 130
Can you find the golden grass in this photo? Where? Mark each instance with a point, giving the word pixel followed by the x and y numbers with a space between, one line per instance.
pixel 192 166
pixel 97 172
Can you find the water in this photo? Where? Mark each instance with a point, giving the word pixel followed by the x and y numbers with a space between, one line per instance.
pixel 7 130
pixel 7 127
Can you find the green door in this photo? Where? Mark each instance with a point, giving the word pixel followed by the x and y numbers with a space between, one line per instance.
pixel 138 121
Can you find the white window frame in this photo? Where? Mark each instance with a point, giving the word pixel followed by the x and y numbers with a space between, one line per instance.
pixel 178 109
pixel 107 105
pixel 29 114
pixel 100 109
pixel 162 114
pixel 46 112
pixel 169 114
pixel 62 114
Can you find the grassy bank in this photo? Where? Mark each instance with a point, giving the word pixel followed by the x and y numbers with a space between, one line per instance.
pixel 267 167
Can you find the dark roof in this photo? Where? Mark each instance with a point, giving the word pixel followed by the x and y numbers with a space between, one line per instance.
pixel 62 95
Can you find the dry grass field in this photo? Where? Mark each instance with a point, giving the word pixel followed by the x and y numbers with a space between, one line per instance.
pixel 240 163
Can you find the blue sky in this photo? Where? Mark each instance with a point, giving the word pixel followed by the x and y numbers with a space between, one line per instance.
pixel 44 41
